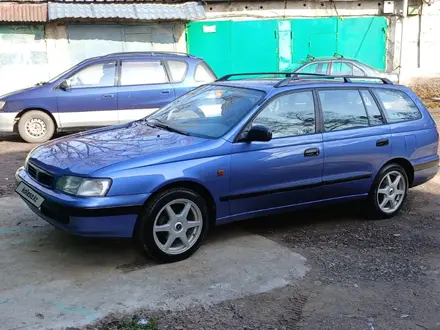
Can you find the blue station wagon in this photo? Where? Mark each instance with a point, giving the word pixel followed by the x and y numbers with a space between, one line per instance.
pixel 101 91
pixel 231 150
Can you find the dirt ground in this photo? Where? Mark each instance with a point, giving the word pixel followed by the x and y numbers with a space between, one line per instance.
pixel 363 274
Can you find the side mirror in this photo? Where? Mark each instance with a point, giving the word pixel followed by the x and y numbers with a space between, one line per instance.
pixel 65 85
pixel 259 133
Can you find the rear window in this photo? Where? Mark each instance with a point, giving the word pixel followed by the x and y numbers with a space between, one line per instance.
pixel 203 73
pixel 177 70
pixel 397 105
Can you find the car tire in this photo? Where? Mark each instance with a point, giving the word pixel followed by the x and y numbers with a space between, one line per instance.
pixel 388 192
pixel 161 229
pixel 36 127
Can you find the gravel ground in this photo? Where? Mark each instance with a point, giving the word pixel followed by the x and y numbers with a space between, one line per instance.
pixel 13 151
pixel 363 274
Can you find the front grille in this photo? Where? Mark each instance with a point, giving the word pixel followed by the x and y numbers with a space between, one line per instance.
pixel 45 179
pixel 40 176
pixel 32 171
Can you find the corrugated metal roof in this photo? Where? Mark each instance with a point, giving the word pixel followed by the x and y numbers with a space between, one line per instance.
pixel 23 12
pixel 187 11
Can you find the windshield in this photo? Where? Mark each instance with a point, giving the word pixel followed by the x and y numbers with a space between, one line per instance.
pixel 208 111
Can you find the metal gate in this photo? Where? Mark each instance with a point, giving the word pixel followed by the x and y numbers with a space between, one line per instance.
pixel 268 45
pixel 94 40
pixel 235 46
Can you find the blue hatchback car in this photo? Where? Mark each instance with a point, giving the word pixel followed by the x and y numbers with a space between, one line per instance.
pixel 231 150
pixel 101 91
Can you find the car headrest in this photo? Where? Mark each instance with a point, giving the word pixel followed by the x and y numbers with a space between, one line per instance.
pixel 237 108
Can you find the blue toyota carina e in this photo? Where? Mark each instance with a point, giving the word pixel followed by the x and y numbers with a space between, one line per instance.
pixel 230 150
pixel 101 91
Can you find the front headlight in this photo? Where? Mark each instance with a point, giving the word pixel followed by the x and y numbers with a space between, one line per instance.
pixel 77 186
pixel 2 104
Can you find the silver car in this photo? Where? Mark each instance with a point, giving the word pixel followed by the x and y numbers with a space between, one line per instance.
pixel 343 67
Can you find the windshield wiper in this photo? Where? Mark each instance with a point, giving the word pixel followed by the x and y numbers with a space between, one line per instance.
pixel 164 126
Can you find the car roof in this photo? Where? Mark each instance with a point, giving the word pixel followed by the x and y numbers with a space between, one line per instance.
pixel 149 54
pixel 296 81
pixel 328 59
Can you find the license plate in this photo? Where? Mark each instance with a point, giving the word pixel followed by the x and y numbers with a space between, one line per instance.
pixel 30 195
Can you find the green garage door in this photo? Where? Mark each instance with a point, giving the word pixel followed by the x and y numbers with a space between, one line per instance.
pixel 361 38
pixel 235 47
pixel 271 45
pixel 364 39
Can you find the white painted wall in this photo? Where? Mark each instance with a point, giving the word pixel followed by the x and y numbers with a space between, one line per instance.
pixel 277 9
pixel 23 56
pixel 421 44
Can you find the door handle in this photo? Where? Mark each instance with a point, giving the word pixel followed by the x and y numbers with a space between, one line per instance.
pixel 311 152
pixel 165 92
pixel 108 96
pixel 382 142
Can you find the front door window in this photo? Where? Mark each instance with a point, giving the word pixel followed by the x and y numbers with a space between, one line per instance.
pixel 95 75
pixel 289 115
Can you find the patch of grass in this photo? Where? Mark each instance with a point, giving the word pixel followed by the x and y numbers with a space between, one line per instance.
pixel 426 88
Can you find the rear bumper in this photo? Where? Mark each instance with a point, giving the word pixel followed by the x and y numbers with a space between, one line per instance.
pixel 423 172
pixel 91 217
pixel 7 121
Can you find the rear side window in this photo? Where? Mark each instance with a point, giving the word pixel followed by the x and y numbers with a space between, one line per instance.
pixel 142 73
pixel 374 115
pixel 177 70
pixel 345 69
pixel 342 109
pixel 397 105
pixel 203 74
pixel 342 68
pixel 320 68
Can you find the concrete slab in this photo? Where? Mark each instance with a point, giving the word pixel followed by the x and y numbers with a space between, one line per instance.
pixel 49 279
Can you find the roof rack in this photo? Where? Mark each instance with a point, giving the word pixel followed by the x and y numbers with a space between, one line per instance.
pixel 295 76
pixel 153 53
pixel 226 77
pixel 346 79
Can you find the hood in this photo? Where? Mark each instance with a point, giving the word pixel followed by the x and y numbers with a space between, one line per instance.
pixel 87 152
pixel 20 92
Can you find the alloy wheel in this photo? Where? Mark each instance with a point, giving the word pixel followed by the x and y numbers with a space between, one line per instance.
pixel 177 226
pixel 391 192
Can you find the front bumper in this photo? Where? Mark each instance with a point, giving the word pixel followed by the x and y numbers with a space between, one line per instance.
pixel 7 121
pixel 114 216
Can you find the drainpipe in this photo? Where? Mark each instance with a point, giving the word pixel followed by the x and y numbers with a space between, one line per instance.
pixel 403 18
